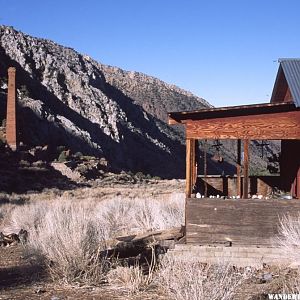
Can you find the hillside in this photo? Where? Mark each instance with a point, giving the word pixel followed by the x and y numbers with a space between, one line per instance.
pixel 153 95
pixel 66 98
pixel 70 99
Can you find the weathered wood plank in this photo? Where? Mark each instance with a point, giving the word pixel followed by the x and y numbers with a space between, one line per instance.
pixel 246 169
pixel 250 221
pixel 188 189
pixel 265 126
pixel 238 168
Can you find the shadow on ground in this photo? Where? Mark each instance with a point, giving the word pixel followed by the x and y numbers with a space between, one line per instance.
pixel 12 277
pixel 15 178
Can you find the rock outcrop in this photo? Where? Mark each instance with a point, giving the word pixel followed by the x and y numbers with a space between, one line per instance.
pixel 67 98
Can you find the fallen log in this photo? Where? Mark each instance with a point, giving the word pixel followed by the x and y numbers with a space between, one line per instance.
pixel 154 236
pixel 140 244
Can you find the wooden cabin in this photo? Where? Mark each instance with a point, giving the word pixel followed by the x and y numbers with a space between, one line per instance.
pixel 245 221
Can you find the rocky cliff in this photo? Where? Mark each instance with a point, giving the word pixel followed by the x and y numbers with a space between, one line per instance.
pixel 66 98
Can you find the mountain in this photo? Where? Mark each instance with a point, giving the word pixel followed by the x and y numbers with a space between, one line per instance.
pixel 66 98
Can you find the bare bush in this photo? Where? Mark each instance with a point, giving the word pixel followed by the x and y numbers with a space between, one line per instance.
pixel 131 279
pixel 28 217
pixel 71 235
pixel 5 214
pixel 289 238
pixel 182 280
pixel 68 237
pixel 127 216
pixel 291 283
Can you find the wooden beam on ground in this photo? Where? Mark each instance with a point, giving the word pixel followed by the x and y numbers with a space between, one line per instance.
pixel 238 168
pixel 246 169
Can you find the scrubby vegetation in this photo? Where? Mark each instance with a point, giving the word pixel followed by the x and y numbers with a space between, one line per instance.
pixel 69 236
pixel 186 279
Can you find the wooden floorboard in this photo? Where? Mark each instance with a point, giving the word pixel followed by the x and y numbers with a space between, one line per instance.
pixel 243 221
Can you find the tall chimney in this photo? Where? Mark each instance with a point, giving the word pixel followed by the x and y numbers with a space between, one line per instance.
pixel 11 118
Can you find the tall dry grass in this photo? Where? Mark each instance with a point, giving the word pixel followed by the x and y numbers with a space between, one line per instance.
pixel 70 236
pixel 184 279
pixel 289 238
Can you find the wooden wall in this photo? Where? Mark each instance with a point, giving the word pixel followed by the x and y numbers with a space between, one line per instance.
pixel 227 186
pixel 244 221
pixel 255 127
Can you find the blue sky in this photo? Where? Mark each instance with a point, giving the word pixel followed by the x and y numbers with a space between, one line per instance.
pixel 223 51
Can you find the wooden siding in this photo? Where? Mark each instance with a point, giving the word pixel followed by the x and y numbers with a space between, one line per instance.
pixel 269 126
pixel 281 90
pixel 243 222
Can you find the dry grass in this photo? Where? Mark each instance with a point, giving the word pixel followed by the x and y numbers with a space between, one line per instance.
pixel 127 216
pixel 289 238
pixel 289 242
pixel 67 237
pixel 181 280
pixel 131 279
pixel 70 235
pixel 292 284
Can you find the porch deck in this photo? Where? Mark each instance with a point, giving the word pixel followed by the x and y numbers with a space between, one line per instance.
pixel 243 222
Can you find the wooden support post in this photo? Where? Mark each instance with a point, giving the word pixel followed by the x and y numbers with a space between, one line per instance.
pixel 205 167
pixel 191 166
pixel 238 168
pixel 194 145
pixel 188 184
pixel 246 169
pixel 11 118
pixel 298 184
pixel 193 163
pixel 196 162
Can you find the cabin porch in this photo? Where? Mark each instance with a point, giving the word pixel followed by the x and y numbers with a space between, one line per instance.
pixel 233 219
pixel 236 222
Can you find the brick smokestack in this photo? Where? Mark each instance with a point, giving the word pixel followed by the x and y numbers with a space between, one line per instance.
pixel 11 116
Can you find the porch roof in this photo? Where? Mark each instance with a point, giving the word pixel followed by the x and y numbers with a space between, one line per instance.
pixel 231 111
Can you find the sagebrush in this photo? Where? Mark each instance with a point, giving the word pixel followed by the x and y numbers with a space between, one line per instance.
pixel 71 236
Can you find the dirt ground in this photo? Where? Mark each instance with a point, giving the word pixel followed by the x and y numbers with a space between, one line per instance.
pixel 19 279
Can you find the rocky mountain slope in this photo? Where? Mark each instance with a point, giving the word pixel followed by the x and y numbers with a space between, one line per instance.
pixel 153 95
pixel 66 98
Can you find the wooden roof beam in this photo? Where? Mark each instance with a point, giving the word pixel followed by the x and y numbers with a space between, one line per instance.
pixel 275 126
